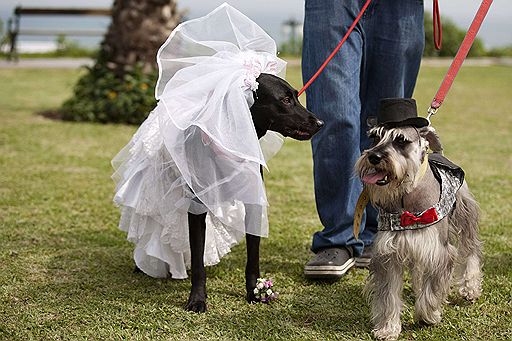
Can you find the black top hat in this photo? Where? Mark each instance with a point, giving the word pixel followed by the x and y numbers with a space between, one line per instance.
pixel 399 112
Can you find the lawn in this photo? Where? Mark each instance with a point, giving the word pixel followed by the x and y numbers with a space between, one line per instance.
pixel 66 270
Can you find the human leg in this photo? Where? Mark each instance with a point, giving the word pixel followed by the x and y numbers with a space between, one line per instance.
pixel 334 98
pixel 393 48
pixel 394 42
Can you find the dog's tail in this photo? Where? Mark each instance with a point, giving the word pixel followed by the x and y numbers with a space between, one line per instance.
pixel 465 218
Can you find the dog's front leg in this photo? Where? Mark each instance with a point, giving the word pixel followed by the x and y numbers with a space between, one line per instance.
pixel 437 267
pixel 197 235
pixel 252 268
pixel 385 287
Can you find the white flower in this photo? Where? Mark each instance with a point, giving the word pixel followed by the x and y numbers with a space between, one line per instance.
pixel 269 292
pixel 251 83
pixel 256 291
pixel 260 285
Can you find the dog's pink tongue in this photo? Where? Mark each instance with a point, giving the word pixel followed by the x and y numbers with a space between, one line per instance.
pixel 374 177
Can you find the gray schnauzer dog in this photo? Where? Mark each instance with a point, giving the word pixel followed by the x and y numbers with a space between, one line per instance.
pixel 428 220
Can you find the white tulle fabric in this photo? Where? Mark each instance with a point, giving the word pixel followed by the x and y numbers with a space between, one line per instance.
pixel 198 150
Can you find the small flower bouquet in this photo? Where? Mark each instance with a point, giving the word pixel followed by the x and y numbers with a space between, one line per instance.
pixel 263 290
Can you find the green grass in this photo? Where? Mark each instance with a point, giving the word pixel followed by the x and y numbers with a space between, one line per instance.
pixel 66 270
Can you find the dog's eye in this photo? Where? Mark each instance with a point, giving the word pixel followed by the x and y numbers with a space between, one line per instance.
pixel 401 140
pixel 287 100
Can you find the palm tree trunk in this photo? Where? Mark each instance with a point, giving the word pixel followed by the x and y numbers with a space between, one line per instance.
pixel 119 87
pixel 137 30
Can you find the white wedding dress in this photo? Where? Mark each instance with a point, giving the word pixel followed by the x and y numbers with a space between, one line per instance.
pixel 198 150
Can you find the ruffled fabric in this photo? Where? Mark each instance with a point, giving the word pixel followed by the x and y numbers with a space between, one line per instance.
pixel 198 151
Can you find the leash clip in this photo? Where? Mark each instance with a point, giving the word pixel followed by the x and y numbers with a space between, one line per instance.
pixel 431 112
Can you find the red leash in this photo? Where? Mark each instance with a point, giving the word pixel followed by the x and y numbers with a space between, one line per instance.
pixel 438 28
pixel 331 56
pixel 459 58
pixel 455 66
pixel 438 37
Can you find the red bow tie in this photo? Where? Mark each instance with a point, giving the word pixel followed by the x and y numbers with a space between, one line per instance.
pixel 429 216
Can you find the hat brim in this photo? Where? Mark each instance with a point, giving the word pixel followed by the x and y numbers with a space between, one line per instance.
pixel 418 122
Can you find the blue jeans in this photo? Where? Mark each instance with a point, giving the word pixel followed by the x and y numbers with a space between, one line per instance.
pixel 380 59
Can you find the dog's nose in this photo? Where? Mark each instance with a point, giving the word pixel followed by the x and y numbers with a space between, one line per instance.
pixel 375 158
pixel 319 123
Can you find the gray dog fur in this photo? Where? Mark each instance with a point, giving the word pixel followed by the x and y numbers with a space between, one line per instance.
pixel 448 250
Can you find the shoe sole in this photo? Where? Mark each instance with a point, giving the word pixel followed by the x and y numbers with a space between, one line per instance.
pixel 362 262
pixel 328 271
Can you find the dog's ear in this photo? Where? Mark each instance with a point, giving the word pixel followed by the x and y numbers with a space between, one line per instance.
pixel 371 122
pixel 429 133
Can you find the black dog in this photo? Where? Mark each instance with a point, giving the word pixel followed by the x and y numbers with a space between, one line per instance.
pixel 276 108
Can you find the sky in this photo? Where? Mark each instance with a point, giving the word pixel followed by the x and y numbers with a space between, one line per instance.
pixel 496 30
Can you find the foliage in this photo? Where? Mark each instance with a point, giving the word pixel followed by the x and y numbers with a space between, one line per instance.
pixel 70 48
pixel 4 40
pixel 452 38
pixel 80 53
pixel 292 47
pixel 119 87
pixel 67 269
pixel 505 51
pixel 66 48
pixel 102 96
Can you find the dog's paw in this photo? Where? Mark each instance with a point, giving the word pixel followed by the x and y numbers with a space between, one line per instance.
pixel 385 335
pixel 470 283
pixel 389 332
pixel 196 306
pixel 251 297
pixel 470 292
pixel 428 318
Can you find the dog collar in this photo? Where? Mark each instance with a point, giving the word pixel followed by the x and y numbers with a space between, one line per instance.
pixel 450 184
pixel 364 198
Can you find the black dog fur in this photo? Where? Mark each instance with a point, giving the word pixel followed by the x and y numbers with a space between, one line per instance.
pixel 276 107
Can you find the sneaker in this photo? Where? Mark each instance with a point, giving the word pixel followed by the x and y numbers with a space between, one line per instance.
pixel 363 261
pixel 330 263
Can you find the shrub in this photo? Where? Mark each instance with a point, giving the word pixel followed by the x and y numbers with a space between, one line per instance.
pixel 452 38
pixel 505 51
pixel 102 96
pixel 69 48
pixel 119 88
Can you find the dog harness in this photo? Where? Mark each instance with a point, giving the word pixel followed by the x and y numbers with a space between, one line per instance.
pixel 450 177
